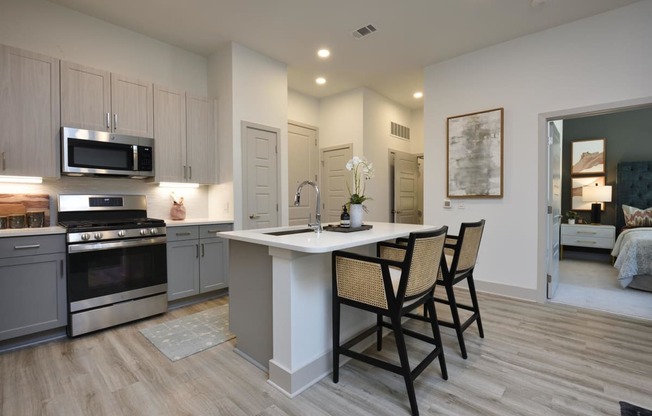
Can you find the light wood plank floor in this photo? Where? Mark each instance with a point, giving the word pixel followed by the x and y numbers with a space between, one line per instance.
pixel 535 360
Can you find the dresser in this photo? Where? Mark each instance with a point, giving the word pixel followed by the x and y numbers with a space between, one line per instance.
pixel 588 235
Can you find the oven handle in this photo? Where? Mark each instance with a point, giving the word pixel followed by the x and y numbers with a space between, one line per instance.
pixel 80 248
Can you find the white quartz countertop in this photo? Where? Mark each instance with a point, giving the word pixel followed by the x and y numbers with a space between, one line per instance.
pixel 195 221
pixel 326 241
pixel 26 232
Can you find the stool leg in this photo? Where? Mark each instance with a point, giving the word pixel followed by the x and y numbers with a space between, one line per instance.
pixel 476 307
pixel 456 319
pixel 336 341
pixel 430 305
pixel 379 332
pixel 405 364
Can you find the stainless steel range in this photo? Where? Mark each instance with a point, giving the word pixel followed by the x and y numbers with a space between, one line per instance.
pixel 117 266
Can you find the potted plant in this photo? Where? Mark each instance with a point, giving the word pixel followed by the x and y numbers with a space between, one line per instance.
pixel 362 172
pixel 572 216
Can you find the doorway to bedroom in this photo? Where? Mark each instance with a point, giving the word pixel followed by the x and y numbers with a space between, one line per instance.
pixel 586 276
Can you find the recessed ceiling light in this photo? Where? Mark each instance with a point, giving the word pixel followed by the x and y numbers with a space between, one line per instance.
pixel 320 80
pixel 418 94
pixel 324 53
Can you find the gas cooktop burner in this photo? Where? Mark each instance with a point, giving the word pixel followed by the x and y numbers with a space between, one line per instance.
pixel 76 226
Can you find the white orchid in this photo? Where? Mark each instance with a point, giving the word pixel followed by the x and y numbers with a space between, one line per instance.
pixel 362 171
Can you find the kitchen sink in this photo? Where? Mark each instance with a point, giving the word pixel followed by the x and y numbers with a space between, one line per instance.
pixel 288 232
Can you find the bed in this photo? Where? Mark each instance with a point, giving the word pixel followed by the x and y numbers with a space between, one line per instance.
pixel 633 248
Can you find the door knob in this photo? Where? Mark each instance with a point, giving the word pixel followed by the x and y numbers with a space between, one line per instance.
pixel 254 217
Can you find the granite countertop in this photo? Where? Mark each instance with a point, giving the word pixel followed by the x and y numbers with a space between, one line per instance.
pixel 326 241
pixel 195 221
pixel 26 232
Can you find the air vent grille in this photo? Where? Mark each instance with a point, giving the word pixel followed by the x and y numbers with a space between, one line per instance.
pixel 364 31
pixel 400 131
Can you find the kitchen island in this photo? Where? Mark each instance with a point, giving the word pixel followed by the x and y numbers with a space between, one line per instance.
pixel 280 298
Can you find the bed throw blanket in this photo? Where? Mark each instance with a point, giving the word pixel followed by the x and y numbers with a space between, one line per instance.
pixel 634 251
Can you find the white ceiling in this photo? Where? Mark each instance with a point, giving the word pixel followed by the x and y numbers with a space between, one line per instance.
pixel 411 33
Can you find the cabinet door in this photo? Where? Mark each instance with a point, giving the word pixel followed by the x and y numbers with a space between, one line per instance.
pixel 132 105
pixel 183 268
pixel 29 113
pixel 200 140
pixel 170 134
pixel 213 264
pixel 32 295
pixel 85 97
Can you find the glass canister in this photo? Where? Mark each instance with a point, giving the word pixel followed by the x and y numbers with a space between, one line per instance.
pixel 35 219
pixel 17 221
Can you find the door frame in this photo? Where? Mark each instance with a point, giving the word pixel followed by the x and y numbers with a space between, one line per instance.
pixel 317 156
pixel 322 186
pixel 244 125
pixel 543 179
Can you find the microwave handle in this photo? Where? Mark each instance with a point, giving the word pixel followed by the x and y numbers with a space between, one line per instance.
pixel 135 150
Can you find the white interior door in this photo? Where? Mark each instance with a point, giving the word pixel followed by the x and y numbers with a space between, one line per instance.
pixel 334 176
pixel 260 178
pixel 554 204
pixel 303 164
pixel 406 179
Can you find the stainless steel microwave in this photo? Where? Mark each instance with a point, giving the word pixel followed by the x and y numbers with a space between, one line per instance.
pixel 93 153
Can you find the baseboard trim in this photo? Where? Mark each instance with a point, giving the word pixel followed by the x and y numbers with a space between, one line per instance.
pixel 499 289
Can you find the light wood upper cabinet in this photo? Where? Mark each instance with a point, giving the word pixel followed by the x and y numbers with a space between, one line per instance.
pixel 185 137
pixel 200 140
pixel 170 133
pixel 85 97
pixel 99 100
pixel 29 113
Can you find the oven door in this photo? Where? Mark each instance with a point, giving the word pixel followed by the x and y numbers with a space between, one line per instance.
pixel 110 272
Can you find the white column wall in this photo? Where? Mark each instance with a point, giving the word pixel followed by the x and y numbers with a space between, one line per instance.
pixel 303 108
pixel 602 59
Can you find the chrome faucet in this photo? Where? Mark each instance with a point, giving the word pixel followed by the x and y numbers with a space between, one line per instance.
pixel 297 198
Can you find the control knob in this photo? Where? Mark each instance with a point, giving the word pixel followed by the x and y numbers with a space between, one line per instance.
pixel 153 231
pixel 121 233
pixel 98 236
pixel 143 232
pixel 85 236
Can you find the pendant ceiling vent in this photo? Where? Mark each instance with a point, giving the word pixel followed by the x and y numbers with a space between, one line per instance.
pixel 364 31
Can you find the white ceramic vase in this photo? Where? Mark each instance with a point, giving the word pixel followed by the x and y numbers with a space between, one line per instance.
pixel 356 212
pixel 571 220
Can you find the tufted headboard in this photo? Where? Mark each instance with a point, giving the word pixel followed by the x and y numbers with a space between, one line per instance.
pixel 634 188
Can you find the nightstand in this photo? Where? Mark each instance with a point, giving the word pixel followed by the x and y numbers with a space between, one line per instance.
pixel 587 235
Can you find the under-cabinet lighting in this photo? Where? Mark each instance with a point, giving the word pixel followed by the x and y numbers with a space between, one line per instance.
pixel 178 185
pixel 21 179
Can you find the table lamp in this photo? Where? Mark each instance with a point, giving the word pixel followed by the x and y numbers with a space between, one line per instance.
pixel 596 194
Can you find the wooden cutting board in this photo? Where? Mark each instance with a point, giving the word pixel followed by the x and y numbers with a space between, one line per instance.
pixel 11 209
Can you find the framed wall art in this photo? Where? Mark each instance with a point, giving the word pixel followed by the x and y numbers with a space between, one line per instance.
pixel 588 157
pixel 474 155
pixel 576 191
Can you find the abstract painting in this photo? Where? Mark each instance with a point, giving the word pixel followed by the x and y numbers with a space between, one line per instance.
pixel 475 155
pixel 576 192
pixel 587 157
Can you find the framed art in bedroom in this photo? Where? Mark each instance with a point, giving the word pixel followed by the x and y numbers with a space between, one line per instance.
pixel 576 191
pixel 474 155
pixel 588 157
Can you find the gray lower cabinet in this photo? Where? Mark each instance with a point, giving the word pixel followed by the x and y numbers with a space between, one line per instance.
pixel 32 285
pixel 197 260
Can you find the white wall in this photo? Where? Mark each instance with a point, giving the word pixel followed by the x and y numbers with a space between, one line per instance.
pixel 602 59
pixel 303 108
pixel 416 132
pixel 50 29
pixel 378 113
pixel 259 94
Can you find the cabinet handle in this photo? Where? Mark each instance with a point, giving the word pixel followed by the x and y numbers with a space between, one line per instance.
pixel 61 268
pixel 213 231
pixel 4 165
pixel 182 234
pixel 189 172
pixel 587 242
pixel 197 251
pixel 202 249
pixel 185 176
pixel 27 246
pixel 115 121
pixel 587 232
pixel 108 121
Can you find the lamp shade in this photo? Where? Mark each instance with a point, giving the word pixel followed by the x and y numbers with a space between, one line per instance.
pixel 596 194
